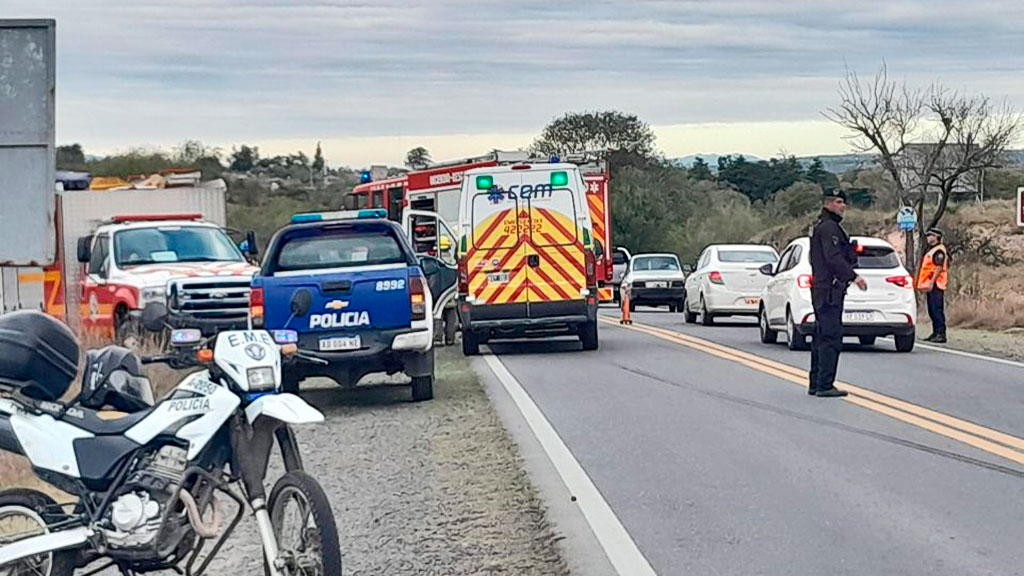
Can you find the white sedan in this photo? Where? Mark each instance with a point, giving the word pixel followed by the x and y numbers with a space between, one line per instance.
pixel 887 308
pixel 655 280
pixel 726 282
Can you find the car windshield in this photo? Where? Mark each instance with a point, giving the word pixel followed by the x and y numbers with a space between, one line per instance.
pixel 618 257
pixel 340 250
pixel 747 256
pixel 169 244
pixel 877 257
pixel 649 263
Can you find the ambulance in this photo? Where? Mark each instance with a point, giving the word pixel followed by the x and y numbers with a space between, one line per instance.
pixel 527 257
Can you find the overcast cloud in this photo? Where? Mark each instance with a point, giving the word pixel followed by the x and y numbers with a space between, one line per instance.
pixel 264 71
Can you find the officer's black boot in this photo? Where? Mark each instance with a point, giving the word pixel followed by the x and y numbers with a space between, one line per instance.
pixel 832 392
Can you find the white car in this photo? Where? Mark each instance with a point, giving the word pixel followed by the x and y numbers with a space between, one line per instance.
pixel 887 308
pixel 726 282
pixel 655 280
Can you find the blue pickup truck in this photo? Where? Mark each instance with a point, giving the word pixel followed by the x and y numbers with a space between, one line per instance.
pixel 350 289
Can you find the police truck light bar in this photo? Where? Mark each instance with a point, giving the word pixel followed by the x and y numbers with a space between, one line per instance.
pixel 340 215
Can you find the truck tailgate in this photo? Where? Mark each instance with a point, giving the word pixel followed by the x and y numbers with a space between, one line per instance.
pixel 376 298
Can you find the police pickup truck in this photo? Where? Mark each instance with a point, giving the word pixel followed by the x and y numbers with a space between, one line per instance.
pixel 349 290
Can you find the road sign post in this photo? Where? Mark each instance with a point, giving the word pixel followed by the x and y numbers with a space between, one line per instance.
pixel 906 219
pixel 27 156
pixel 1020 207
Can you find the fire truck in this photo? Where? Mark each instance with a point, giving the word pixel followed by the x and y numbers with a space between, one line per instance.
pixel 436 189
pixel 119 249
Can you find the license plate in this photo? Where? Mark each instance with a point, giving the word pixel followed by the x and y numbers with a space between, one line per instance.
pixel 657 284
pixel 752 301
pixel 340 343
pixel 498 278
pixel 858 317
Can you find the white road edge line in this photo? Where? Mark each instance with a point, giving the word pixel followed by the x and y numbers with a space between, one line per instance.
pixel 618 545
pixel 972 355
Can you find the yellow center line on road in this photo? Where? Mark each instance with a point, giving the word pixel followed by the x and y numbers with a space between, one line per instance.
pixel 977 436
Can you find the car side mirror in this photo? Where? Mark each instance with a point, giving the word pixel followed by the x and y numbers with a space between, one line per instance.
pixel 430 265
pixel 598 250
pixel 767 269
pixel 154 317
pixel 84 249
pixel 687 268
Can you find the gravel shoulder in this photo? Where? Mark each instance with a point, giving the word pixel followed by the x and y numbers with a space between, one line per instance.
pixel 1007 344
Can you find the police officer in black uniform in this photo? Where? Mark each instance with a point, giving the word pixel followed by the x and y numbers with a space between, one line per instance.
pixel 833 258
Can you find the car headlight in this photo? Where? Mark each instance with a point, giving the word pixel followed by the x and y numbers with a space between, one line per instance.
pixel 261 379
pixel 153 293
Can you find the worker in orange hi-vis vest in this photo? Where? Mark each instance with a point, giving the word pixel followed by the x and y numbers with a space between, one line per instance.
pixel 933 279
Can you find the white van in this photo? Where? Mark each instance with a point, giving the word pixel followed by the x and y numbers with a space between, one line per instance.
pixel 527 262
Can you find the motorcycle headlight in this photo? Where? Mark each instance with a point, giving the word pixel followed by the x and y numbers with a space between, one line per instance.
pixel 261 379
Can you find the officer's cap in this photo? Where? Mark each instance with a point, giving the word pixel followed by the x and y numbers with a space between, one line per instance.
pixel 933 232
pixel 830 193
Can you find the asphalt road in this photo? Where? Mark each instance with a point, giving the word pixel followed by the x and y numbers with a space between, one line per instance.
pixel 716 461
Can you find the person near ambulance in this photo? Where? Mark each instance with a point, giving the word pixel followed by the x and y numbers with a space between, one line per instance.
pixel 933 279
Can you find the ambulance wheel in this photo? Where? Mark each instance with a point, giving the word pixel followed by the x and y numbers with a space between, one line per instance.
pixel 588 335
pixel 422 388
pixel 470 343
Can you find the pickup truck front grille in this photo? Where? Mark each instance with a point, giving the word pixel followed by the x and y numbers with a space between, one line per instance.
pixel 210 298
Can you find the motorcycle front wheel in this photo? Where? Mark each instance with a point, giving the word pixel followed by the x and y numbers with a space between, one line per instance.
pixel 26 513
pixel 307 537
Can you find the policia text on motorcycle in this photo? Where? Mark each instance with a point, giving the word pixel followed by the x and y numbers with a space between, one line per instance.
pixel 832 264
pixel 932 279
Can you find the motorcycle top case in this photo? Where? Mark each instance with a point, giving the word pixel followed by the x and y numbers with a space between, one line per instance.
pixel 38 355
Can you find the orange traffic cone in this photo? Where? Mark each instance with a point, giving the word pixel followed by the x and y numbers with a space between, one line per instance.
pixel 625 319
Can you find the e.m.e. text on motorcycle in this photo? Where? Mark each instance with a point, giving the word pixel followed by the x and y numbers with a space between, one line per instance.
pixel 154 478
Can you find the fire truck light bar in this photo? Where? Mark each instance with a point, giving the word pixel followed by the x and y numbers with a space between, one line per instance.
pixel 122 218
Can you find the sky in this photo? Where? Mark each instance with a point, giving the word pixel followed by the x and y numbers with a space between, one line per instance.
pixel 374 78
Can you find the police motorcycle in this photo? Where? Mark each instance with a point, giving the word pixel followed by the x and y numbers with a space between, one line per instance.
pixel 149 478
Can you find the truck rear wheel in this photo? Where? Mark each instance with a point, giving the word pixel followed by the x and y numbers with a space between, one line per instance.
pixel 470 343
pixel 588 335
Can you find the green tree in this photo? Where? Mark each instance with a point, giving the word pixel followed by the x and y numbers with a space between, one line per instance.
pixel 190 151
pixel 797 199
pixel 70 157
pixel 318 160
pixel 817 174
pixel 244 158
pixel 210 167
pixel 700 170
pixel 625 137
pixel 418 157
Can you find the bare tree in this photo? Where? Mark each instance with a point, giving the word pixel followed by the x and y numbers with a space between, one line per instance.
pixel 883 116
pixel 925 139
pixel 980 133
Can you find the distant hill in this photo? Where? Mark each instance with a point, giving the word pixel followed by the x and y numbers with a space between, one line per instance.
pixel 835 163
pixel 711 159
